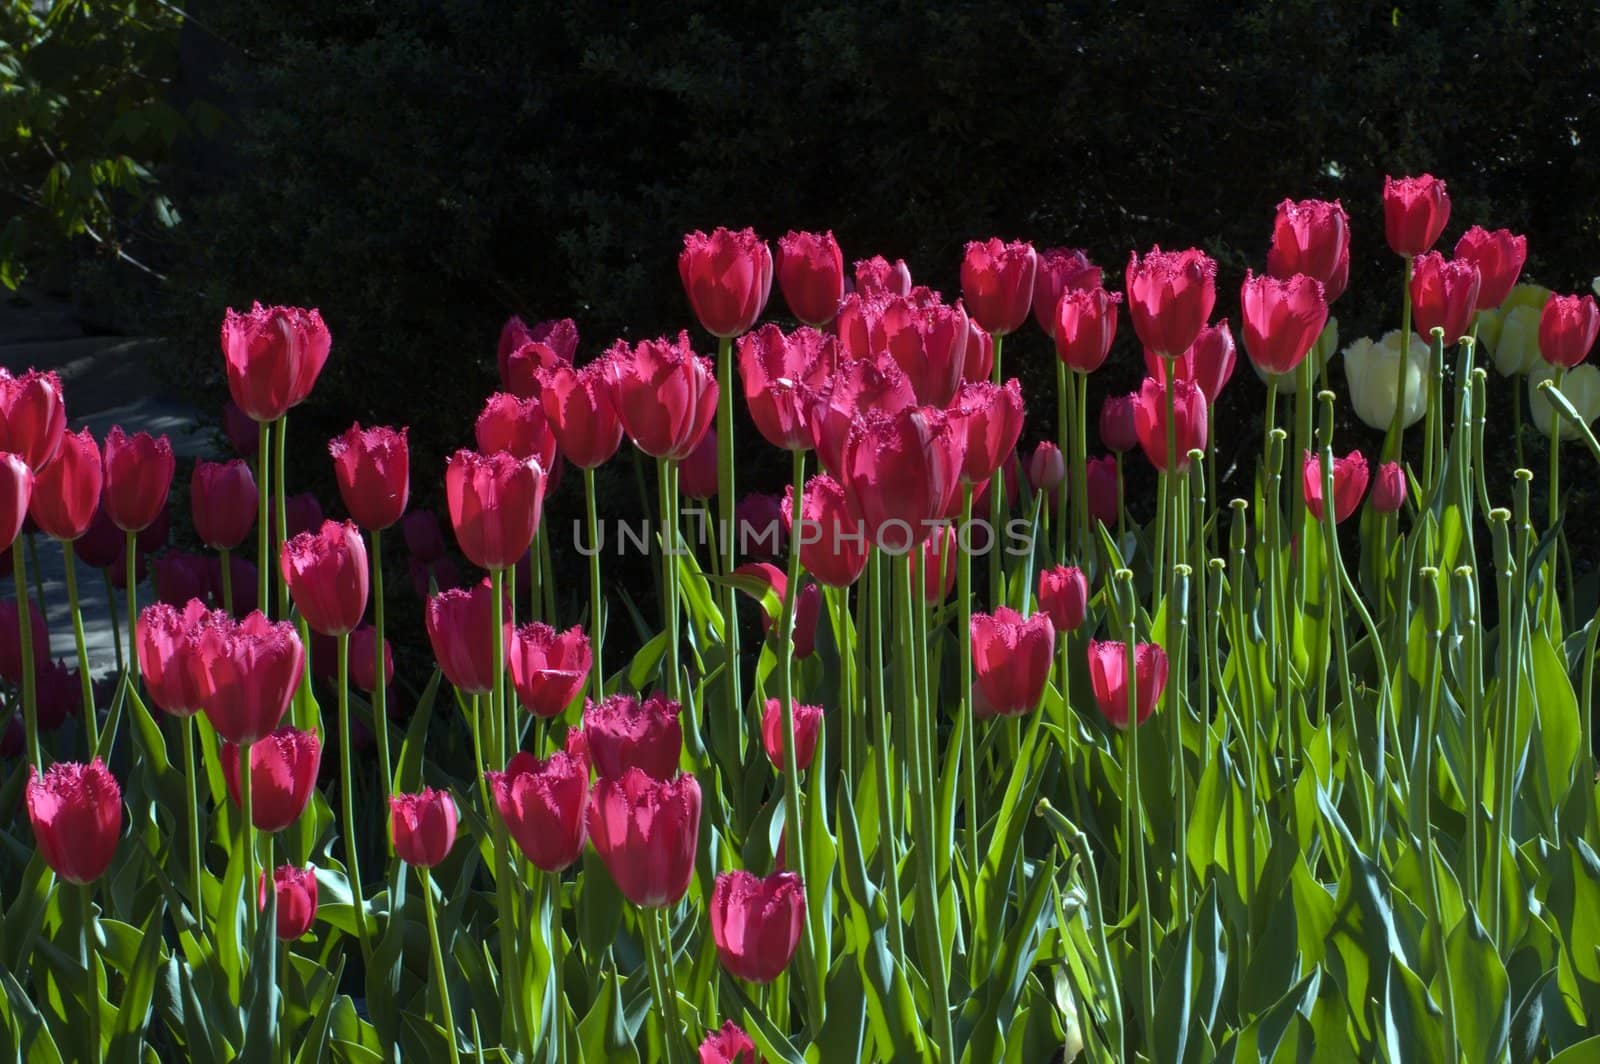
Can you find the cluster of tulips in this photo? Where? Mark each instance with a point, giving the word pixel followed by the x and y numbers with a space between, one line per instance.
pixel 892 821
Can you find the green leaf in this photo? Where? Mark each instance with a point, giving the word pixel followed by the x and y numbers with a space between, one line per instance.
pixel 139 985
pixel 1482 998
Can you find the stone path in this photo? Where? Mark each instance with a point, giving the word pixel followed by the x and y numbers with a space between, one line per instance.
pixel 107 380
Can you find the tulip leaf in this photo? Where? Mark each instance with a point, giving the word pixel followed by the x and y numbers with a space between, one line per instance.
pixel 603 1034
pixel 139 985
pixel 769 1040
pixel 844 1027
pixel 261 987
pixel 647 661
pixel 1000 859
pixel 315 1045
pixel 25 917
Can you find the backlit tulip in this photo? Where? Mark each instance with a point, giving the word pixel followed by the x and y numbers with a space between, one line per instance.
pixel 581 407
pixel 137 475
pixel 495 502
pixel 373 467
pixel 76 813
pixel 327 576
pixel 728 1045
pixel 423 826
pixel 1085 324
pixel 758 525
pixel 1388 488
pixel 1350 475
pixel 1444 294
pixel 697 474
pixel 1282 319
pixel 11 640
pixel 1312 237
pixel 543 804
pixel 295 892
pixel 997 283
pixel 781 374
pixel 756 923
pixel 65 492
pixel 283 772
pixel 516 426
pixel 58 694
pixel 646 831
pixel 1209 362
pixel 1499 256
pixel 548 669
pixel 625 732
pixel 1415 210
pixel 666 395
pixel 243 434
pixel 807 721
pixel 1064 597
pixel 1059 270
pixel 424 538
pixel 223 502
pixel 167 641
pixel 364 660
pixel 727 277
pixel 1011 658
pixel 1581 388
pixel 1108 677
pixel 273 356
pixel 1046 468
pixel 33 417
pixel 859 387
pixel 876 277
pixel 1567 329
pixel 810 271
pixel 1150 422
pixel 929 344
pixel 301 513
pixel 460 624
pixel 179 576
pixel 1370 372
pixel 832 548
pixel 1117 430
pixel 899 473
pixel 558 337
pixel 16 492
pixel 1100 475
pixel 1170 297
pixel 986 420
pixel 245 674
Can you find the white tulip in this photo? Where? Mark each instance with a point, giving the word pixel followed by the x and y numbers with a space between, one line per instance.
pixel 1581 388
pixel 1370 370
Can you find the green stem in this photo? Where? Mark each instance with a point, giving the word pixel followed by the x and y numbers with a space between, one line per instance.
pixel 732 703
pixel 1552 600
pixel 888 837
pixel 1066 393
pixel 347 800
pixel 1147 998
pixel 1392 442
pixel 89 957
pixel 448 1017
pixel 111 608
pixel 969 755
pixel 558 962
pixel 997 504
pixel 132 588
pixel 191 798
pixel 264 514
pixel 1080 470
pixel 247 837
pixel 380 691
pixel 596 634
pixel 1425 831
pixel 226 570
pixel 669 568
pixel 91 722
pixel 650 921
pixel 279 448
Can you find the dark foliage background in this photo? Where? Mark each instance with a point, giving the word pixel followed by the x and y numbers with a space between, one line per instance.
pixel 420 169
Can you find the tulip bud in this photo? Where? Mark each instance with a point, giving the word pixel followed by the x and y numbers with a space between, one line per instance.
pixel 166 640
pixel 76 813
pixel 1011 658
pixel 1415 210
pixel 542 803
pixel 33 417
pixel 1443 295
pixel 1101 482
pixel 273 356
pixel 859 388
pixel 997 283
pixel 986 420
pixel 1064 596
pixel 245 674
pixel 1209 362
pixel 807 722
pixel 727 277
pixel 625 733
pixel 665 393
pixel 16 492
pixel 223 502
pixel 1349 484
pixel 1498 256
pixel 1060 270
pixel 243 434
pixel 581 406
pixel 1046 468
pixel 898 473
pixel 1117 430
pixel 138 474
pixel 460 625
pixel 1108 676
pixel 373 467
pixel 697 474
pixel 423 826
pixel 327 577
pixel 756 923
pixel 1085 324
pixel 1312 237
pixel 301 513
pixel 179 576
pixel 781 375
pixel 283 772
pixel 929 344
pixel 646 832
pixel 516 426
pixel 1389 488
pixel 728 1045
pixel 1282 319
pixel 364 660
pixel 495 502
pixel 832 548
pixel 810 271
pixel 548 669
pixel 1170 297
pixel 66 492
pixel 1150 422
pixel 295 891
pixel 875 277
pixel 1567 329
pixel 523 351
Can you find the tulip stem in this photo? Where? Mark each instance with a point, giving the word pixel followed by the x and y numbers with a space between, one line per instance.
pixel 1066 396
pixel 91 723
pixel 888 838
pixel 1147 999
pixel 440 978
pixel 1552 601
pixel 264 514
pixel 347 799
pixel 1391 442
pixel 669 584
pixel 1122 509
pixel 226 572
pixel 660 961
pixel 969 754
pixel 111 609
pixel 499 721
pixel 596 633
pixel 247 836
pixel 131 586
pixel 279 448
pixel 730 616
pixel 89 957
pixel 558 962
pixel 1080 467
pixel 997 503
pixel 196 855
pixel 380 685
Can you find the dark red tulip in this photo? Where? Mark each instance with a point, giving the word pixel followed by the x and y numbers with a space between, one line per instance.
pixel 624 732
pixel 986 419
pixel 295 890
pixel 807 611
pixel 929 344
pixel 1064 597
pixel 899 473
pixel 523 352
pixel 495 503
pixel 65 492
pixel 327 576
pixel 1567 329
pixel 273 356
pixel 832 548
pixel 1117 430
pixel 517 426
pixel 1046 468
pixel 283 772
pixel 1388 488
pixel 102 543
pixel 179 576
pixel 246 674
pixel 859 387
pixel 1444 295
pixel 1349 484
pixel 76 813
pixel 811 275
pixel 167 642
pixel 373 467
pixel 11 640
pixel 1108 677
pixel 1150 422
pixel 244 435
pixel 154 536
pixel 807 721
pixel 697 474
pixel 1312 237
pixel 1060 270
pixel 542 803
pixel 423 826
pixel 939 565
pixel 729 1045
pixel 33 417
pixel 1170 297
pixel 548 669
pixel 1498 256
pixel 242 572
pixel 1101 477
pixel 1011 657
pixel 424 538
pixel 442 575
pixel 997 283
pixel 138 474
pixel 876 277
pixel 364 660
pixel 781 375
pixel 1282 319
pixel 1084 325
pixel 301 513
pixel 646 831
pixel 727 277
pixel 666 395
pixel 1415 210
pixel 1209 363
pixel 581 406
pixel 13 738
pixel 759 526
pixel 58 694
pixel 460 627
pixel 223 502
pixel 756 923
pixel 16 493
